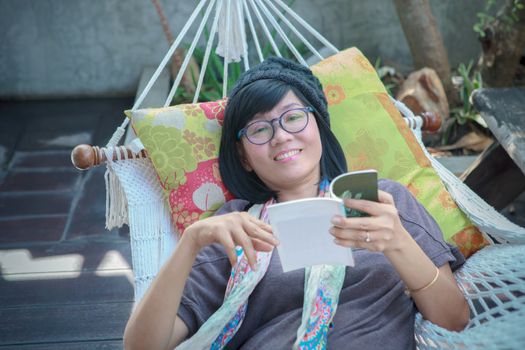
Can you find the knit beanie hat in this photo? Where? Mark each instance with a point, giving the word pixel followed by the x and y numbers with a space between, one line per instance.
pixel 295 74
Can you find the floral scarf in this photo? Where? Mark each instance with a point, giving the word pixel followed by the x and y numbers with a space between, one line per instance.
pixel 322 287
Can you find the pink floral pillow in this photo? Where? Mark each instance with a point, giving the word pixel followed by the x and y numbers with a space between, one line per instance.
pixel 183 144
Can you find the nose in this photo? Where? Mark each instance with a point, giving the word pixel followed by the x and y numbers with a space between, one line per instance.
pixel 279 134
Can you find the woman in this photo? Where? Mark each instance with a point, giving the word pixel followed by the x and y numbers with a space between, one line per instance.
pixel 277 146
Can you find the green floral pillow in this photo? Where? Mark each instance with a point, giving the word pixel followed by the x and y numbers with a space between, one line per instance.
pixel 183 142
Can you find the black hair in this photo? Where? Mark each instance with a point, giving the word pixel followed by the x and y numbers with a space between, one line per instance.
pixel 261 96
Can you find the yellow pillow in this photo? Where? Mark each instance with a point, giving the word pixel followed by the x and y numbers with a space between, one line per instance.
pixel 183 143
pixel 373 134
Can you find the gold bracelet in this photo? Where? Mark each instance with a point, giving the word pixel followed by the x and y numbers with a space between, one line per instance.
pixel 412 291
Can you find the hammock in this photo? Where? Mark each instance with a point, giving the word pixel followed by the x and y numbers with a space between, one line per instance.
pixel 492 280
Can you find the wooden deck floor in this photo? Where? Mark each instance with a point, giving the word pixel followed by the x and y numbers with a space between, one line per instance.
pixel 65 282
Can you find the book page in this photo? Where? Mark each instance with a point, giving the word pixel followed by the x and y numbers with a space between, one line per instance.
pixel 302 228
pixel 361 184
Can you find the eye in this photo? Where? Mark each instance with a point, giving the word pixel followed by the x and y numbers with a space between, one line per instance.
pixel 293 117
pixel 258 129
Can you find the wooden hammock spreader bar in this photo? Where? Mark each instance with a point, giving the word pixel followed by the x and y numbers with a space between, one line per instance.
pixel 85 157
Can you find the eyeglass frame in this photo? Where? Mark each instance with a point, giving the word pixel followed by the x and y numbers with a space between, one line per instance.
pixel 307 109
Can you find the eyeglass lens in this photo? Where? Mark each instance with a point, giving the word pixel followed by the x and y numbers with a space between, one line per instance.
pixel 262 131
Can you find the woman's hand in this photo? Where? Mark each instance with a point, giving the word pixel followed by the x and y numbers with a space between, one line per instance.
pixel 230 230
pixel 382 231
pixel 154 323
pixel 443 303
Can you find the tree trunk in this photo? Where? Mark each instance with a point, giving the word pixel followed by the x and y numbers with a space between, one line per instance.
pixel 192 70
pixel 502 46
pixel 425 41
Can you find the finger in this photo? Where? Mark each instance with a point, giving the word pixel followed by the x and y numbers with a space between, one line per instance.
pixel 262 246
pixel 242 239
pixel 367 223
pixel 260 223
pixel 350 243
pixel 345 234
pixel 229 246
pixel 385 197
pixel 255 231
pixel 370 207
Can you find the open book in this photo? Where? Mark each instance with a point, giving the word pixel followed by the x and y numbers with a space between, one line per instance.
pixel 302 225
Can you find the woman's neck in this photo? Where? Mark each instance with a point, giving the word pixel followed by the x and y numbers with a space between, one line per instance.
pixel 307 190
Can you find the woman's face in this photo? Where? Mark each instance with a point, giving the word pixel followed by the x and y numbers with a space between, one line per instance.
pixel 288 161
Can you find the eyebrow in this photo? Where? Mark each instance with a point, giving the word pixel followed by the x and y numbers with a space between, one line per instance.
pixel 285 108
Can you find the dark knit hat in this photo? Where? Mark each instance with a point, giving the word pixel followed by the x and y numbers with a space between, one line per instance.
pixel 297 75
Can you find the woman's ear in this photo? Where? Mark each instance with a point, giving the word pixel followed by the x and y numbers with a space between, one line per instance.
pixel 242 156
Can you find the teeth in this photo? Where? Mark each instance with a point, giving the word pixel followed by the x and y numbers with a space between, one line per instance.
pixel 287 154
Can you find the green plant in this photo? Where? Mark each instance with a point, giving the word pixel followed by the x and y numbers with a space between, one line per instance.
pixel 211 89
pixel 486 19
pixel 465 113
pixel 384 72
pixel 471 80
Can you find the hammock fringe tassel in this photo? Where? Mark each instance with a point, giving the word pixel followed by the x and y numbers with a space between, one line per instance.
pixel 116 202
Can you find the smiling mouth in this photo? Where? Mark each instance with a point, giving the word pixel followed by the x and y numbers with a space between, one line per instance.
pixel 287 154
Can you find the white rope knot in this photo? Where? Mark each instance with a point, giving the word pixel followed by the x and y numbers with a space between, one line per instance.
pixel 232 42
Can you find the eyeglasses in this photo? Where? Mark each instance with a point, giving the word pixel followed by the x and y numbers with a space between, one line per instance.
pixel 261 131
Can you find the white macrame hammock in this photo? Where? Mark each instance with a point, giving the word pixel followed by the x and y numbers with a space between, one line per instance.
pixel 493 280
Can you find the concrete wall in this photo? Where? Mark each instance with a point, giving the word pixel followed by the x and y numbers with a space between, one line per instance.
pixel 52 48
